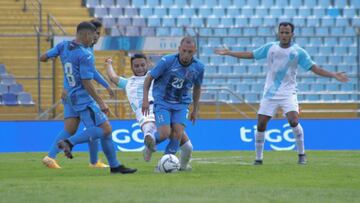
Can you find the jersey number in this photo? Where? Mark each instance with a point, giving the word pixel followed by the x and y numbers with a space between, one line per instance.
pixel 177 83
pixel 69 74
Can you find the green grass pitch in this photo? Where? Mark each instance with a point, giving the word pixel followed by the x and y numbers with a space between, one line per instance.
pixel 330 176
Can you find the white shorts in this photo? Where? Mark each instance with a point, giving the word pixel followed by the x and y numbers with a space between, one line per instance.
pixel 143 119
pixel 269 107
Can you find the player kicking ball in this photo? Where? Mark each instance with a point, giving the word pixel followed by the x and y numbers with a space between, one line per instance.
pixel 133 86
pixel 280 91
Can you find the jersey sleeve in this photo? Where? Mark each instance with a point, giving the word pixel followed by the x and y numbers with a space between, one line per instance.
pixel 100 79
pixel 160 68
pixel 122 82
pixel 199 79
pixel 261 52
pixel 87 67
pixel 305 61
pixel 55 51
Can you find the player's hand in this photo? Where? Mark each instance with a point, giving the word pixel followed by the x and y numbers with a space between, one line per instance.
pixel 110 92
pixel 341 76
pixel 193 116
pixel 63 94
pixel 224 51
pixel 104 108
pixel 108 60
pixel 145 107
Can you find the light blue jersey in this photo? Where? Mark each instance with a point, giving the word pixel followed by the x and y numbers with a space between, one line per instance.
pixel 282 66
pixel 173 82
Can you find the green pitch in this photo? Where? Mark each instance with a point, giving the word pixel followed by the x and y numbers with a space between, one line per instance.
pixel 330 176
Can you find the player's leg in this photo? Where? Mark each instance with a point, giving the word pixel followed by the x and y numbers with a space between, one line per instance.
pixel 266 111
pixel 178 123
pixel 186 149
pixel 291 107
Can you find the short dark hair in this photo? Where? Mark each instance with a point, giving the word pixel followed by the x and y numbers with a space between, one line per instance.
pixel 188 39
pixel 137 56
pixel 287 24
pixel 85 26
pixel 97 23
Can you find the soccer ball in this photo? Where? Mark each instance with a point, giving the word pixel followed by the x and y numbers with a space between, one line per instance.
pixel 168 164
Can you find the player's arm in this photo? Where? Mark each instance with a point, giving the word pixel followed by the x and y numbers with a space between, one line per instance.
pixel 100 79
pixel 145 103
pixel 114 78
pixel 340 76
pixel 51 53
pixel 92 91
pixel 196 99
pixel 240 54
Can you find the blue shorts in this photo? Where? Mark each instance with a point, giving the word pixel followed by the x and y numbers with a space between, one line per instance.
pixel 166 116
pixel 92 116
pixel 69 112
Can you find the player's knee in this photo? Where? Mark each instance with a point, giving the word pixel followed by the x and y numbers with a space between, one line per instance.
pixel 106 128
pixel 293 122
pixel 261 127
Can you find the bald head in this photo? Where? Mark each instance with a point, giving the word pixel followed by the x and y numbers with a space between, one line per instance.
pixel 188 40
pixel 187 49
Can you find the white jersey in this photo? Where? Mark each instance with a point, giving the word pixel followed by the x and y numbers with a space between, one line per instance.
pixel 134 88
pixel 282 66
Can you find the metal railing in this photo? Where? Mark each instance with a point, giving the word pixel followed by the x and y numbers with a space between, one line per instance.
pixel 35 6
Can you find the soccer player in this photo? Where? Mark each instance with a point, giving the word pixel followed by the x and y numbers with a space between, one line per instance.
pixel 79 68
pixel 174 77
pixel 283 58
pixel 72 119
pixel 133 87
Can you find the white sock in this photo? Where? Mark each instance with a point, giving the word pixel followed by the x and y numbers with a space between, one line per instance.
pixel 185 154
pixel 299 138
pixel 149 129
pixel 259 144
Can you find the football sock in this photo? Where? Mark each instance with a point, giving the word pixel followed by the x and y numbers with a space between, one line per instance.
pixel 93 151
pixel 173 146
pixel 185 154
pixel 299 138
pixel 54 150
pixel 89 134
pixel 149 129
pixel 259 144
pixel 109 151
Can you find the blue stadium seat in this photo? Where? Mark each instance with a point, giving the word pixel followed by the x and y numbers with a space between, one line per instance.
pixel 342 21
pixel 210 3
pixel 116 12
pixel 129 11
pixel 351 50
pixel 235 32
pixel 335 59
pixel 333 12
pixel 261 11
pixel 92 3
pixel 319 12
pixel 347 41
pixel 147 31
pixel 167 3
pixel 212 21
pixel 15 88
pixel 25 98
pixel 204 12
pixel 307 31
pixel 312 50
pixel 108 22
pixel 290 12
pixel 351 59
pixel 313 21
pixel 2 69
pixel 336 30
pixel 269 21
pixel 168 21
pixel 241 88
pixel 207 51
pixel 312 97
pixel 162 31
pixel 308 79
pixel 227 22
pixel 253 3
pixel 342 97
pixel 100 12
pixel 146 12
pixel 132 31
pixel 123 3
pixel 107 3
pixel 244 41
pixel 252 97
pixel 348 86
pixel 340 3
pixel 207 96
pixel 349 12
pixel 138 3
pixel 255 69
pixel 295 3
pixel 124 21
pixel 257 88
pixel 249 31
pixel 139 22
pixel 325 50
pixel 321 60
pixel 4 89
pixel 197 3
pixel 197 22
pixel 327 97
pixel 214 42
pixel 310 3
pixel 239 3
pixel 241 21
pixel 225 69
pixel 225 3
pixel 282 3
pixel 304 11
pixel 9 99
pixel 216 60
pixel 154 21
pixel 7 79
pixel 175 12
pixel 204 59
pixel 324 3
pixel 211 69
pixel 219 12
pixel 301 41
pixel 160 11
pixel 233 12
pixel 266 3
pixel 256 21
pixel 327 21
pixel 350 31
pixel 230 60
pixel 299 21
pixel 303 87
pixel 355 3
pixel 180 3
pixel 239 69
pixel 176 31
pixel 183 21
pixel 355 22
pixel 205 32
pixel 247 11
pixel 332 87
pixel 322 31
pixel 152 3
pixel 229 41
pixel 275 11
pixel 114 31
pixel 189 12
pixel 220 32
pixel 264 31
pixel 258 41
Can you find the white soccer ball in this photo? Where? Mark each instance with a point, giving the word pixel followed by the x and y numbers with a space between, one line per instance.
pixel 169 163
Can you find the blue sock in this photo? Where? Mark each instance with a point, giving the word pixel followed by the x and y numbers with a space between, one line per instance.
pixel 88 135
pixel 109 151
pixel 93 151
pixel 173 146
pixel 54 150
